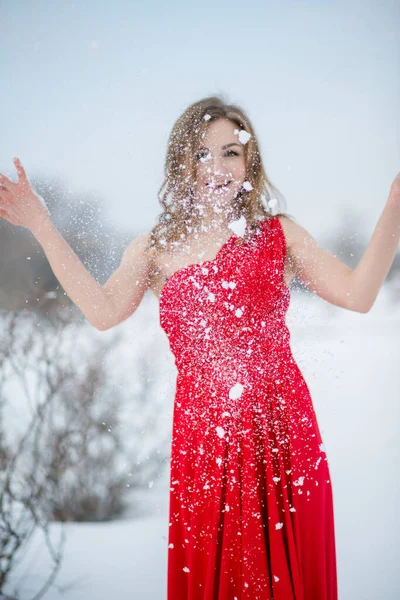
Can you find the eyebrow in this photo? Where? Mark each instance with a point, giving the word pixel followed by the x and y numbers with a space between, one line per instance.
pixel 223 147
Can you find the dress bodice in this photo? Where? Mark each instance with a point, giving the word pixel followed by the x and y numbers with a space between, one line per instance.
pixel 231 306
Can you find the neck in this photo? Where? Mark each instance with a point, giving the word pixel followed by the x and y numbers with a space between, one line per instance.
pixel 214 218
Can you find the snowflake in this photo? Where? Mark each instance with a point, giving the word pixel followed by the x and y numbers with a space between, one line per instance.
pixel 220 431
pixel 299 481
pixel 272 205
pixel 243 135
pixel 236 391
pixel 238 227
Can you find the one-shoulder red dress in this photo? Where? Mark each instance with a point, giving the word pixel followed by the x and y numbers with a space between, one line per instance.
pixel 251 504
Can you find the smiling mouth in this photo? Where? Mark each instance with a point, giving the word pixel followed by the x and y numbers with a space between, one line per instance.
pixel 218 187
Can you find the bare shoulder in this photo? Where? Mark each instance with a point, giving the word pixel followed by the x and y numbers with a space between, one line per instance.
pixel 138 247
pixel 294 233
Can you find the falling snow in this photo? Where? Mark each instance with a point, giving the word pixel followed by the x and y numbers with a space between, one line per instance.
pixel 299 481
pixel 236 391
pixel 243 135
pixel 247 186
pixel 238 227
pixel 228 284
pixel 273 206
pixel 220 431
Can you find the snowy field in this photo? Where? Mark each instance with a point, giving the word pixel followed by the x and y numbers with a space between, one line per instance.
pixel 351 364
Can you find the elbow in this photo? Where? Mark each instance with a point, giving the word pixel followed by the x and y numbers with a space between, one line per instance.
pixel 102 326
pixel 104 319
pixel 365 308
pixel 360 306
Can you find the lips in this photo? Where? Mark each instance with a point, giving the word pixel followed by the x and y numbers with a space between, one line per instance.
pixel 218 186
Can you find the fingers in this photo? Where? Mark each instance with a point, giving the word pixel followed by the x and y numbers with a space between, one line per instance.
pixel 5 183
pixel 20 169
pixel 4 189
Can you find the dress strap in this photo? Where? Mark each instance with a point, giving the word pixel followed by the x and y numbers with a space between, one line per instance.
pixel 274 248
pixel 281 235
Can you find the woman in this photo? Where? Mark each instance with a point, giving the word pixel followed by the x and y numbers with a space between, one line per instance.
pixel 251 503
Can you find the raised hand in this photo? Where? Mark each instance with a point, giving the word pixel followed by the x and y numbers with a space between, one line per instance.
pixel 19 203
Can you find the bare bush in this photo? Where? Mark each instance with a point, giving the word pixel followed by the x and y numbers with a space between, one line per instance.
pixel 63 450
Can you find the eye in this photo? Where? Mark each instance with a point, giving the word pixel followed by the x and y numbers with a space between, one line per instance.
pixel 203 156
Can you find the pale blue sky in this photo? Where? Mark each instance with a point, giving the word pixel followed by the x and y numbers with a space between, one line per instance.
pixel 90 92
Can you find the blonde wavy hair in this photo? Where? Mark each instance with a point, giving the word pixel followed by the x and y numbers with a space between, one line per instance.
pixel 176 194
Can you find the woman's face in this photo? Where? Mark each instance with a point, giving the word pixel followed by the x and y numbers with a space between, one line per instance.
pixel 220 161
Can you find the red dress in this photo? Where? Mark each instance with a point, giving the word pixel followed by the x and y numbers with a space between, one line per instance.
pixel 251 503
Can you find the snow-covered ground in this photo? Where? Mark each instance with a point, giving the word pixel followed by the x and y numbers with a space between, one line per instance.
pixel 351 364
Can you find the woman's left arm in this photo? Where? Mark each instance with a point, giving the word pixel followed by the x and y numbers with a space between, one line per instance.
pixel 355 289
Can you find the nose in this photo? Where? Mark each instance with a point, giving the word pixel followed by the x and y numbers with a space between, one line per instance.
pixel 215 166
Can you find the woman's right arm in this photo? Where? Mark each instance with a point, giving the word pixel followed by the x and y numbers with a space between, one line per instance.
pixel 103 306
